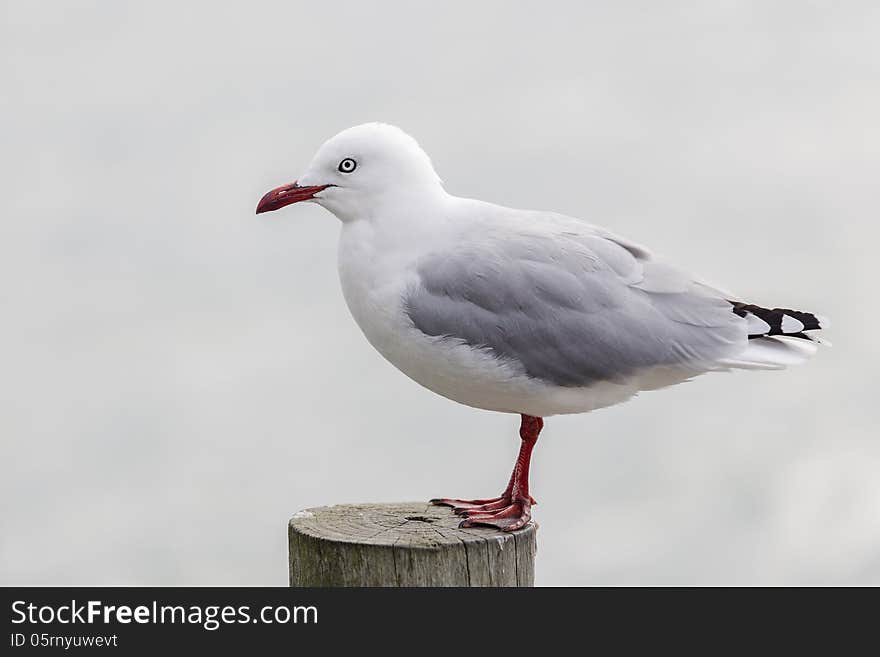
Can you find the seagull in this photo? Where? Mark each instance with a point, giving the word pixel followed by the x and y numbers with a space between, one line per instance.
pixel 517 311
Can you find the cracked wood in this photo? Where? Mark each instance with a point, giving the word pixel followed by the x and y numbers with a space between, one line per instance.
pixel 404 544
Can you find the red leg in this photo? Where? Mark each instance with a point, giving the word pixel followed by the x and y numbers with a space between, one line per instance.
pixel 513 508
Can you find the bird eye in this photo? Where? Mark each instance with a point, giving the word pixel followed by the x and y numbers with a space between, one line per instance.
pixel 347 165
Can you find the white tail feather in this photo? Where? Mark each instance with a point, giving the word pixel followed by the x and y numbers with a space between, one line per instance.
pixel 773 353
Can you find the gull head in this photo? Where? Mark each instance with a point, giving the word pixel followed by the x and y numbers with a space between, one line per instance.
pixel 357 170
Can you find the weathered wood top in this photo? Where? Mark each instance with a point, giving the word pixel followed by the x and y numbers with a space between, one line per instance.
pixel 404 544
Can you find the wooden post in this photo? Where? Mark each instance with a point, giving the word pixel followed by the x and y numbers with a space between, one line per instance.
pixel 404 544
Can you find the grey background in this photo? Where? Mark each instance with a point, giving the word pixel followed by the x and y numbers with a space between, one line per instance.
pixel 180 376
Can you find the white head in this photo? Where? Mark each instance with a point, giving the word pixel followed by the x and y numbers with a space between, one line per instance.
pixel 357 169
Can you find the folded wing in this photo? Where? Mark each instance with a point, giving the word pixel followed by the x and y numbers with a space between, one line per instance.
pixel 574 307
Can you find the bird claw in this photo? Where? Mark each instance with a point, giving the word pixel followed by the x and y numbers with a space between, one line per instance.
pixel 466 507
pixel 464 504
pixel 504 513
pixel 508 519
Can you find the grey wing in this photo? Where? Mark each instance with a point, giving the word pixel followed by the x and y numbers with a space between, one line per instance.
pixel 573 308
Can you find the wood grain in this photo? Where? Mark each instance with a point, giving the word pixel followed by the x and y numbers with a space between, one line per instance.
pixel 404 544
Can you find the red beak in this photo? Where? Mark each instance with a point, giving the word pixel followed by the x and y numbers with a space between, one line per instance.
pixel 287 194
